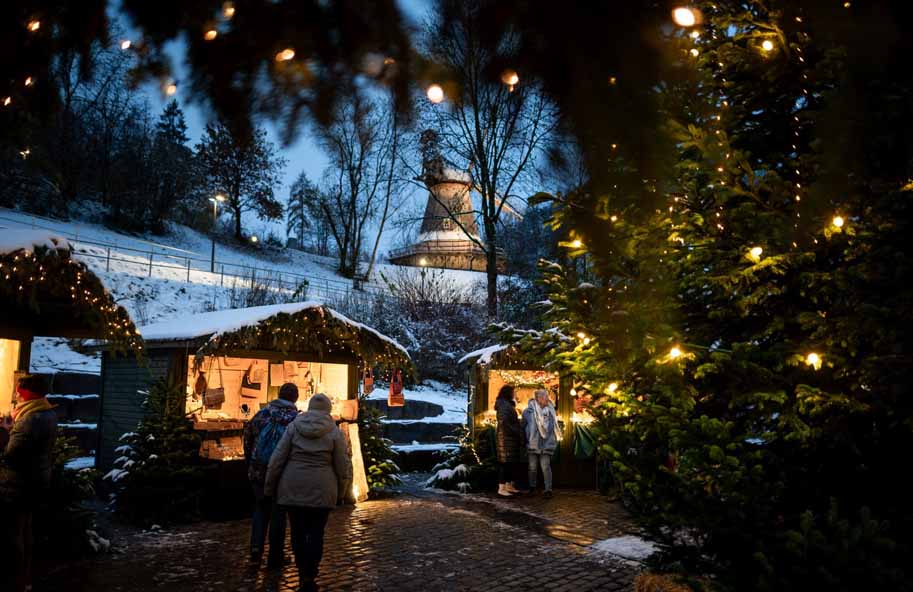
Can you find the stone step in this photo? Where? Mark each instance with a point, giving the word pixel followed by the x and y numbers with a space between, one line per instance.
pixel 411 410
pixel 76 407
pixel 419 431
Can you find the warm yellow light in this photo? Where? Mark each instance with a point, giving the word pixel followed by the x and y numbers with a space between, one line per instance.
pixel 220 197
pixel 423 262
pixel 210 35
pixel 755 253
pixel 435 93
pixel 837 221
pixel 767 45
pixel 613 80
pixel 510 77
pixel 813 360
pixel 695 52
pixel 695 34
pixel 576 243
pixel 7 101
pixel 586 341
pixel 254 238
pixel 684 17
pixel 228 9
pixel 675 352
pixel 581 335
pixel 285 55
pixel 125 44
pixel 28 81
pixel 614 218
pixel 34 25
pixel 171 88
pixel 613 386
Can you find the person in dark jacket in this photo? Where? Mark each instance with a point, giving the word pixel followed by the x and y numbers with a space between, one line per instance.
pixel 309 474
pixel 511 440
pixel 25 473
pixel 261 435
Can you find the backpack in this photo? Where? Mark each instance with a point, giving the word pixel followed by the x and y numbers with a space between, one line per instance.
pixel 267 440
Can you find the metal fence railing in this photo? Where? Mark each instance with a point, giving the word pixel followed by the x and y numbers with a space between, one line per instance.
pixel 171 263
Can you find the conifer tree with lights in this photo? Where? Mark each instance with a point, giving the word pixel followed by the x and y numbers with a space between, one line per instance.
pixel 749 331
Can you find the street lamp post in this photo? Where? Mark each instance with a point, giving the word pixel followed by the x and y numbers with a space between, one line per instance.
pixel 219 198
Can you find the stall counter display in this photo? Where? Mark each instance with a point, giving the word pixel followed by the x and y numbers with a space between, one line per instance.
pixel 525 383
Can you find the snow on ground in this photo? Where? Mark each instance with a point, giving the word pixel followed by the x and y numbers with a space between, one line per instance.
pixel 416 447
pixel 162 291
pixel 81 462
pixel 452 400
pixel 627 547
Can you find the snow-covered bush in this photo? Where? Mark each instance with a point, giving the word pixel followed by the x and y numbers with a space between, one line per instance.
pixel 470 467
pixel 158 476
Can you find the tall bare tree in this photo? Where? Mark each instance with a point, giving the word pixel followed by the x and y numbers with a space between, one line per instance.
pixel 362 184
pixel 245 171
pixel 492 123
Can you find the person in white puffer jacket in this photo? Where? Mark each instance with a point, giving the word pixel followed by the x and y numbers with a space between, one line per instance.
pixel 542 435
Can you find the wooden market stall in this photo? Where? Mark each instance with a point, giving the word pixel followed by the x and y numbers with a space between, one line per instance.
pixel 230 363
pixel 489 369
pixel 44 292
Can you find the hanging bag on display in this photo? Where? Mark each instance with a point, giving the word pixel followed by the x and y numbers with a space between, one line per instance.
pixel 396 398
pixel 214 397
pixel 249 388
pixel 368 386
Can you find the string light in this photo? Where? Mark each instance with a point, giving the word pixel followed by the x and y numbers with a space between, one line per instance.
pixel 228 9
pixel 695 52
pixel 613 80
pixel 285 55
pixel 510 78
pixel 755 254
pixel 576 243
pixel 435 93
pixel 210 35
pixel 125 44
pixel 29 81
pixel 813 360
pixel 767 45
pixel 613 386
pixel 7 101
pixel 837 221
pixel 171 88
pixel 34 25
pixel 675 353
pixel 684 17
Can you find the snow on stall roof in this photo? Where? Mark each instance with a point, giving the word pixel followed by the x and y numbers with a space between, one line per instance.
pixel 211 324
pixel 483 354
pixel 26 239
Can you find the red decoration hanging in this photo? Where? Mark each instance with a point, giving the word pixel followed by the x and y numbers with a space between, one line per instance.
pixel 368 382
pixel 396 398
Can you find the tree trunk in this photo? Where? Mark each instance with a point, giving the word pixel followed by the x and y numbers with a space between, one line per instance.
pixel 491 269
pixel 238 235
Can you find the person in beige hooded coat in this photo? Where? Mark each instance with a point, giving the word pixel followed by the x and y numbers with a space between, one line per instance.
pixel 309 473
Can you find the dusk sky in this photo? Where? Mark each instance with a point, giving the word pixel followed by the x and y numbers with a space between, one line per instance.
pixel 302 155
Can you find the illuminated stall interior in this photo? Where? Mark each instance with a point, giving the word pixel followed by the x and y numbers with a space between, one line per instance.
pixel 46 293
pixel 231 363
pixel 491 368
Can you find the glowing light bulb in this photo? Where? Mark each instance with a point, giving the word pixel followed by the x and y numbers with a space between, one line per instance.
pixel 285 55
pixel 435 93
pixel 813 360
pixel 695 52
pixel 614 218
pixel 576 243
pixel 581 335
pixel 228 9
pixel 675 352
pixel 510 77
pixel 695 34
pixel 613 80
pixel 613 386
pixel 767 45
pixel 423 262
pixel 171 88
pixel 7 101
pixel 125 44
pixel 755 253
pixel 684 17
pixel 254 238
pixel 34 25
pixel 210 35
pixel 586 341
pixel 837 221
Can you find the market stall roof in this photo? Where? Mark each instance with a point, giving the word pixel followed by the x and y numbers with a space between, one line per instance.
pixel 482 356
pixel 524 347
pixel 299 326
pixel 45 292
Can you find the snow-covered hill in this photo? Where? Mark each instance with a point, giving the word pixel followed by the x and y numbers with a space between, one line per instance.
pixel 156 278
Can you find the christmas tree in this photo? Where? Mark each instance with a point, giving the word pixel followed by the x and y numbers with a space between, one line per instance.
pixel 749 332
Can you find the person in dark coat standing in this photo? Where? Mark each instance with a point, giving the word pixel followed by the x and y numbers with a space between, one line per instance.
pixel 511 440
pixel 261 436
pixel 25 473
pixel 309 474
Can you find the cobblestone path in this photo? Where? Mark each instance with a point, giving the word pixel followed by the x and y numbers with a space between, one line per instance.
pixel 411 541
